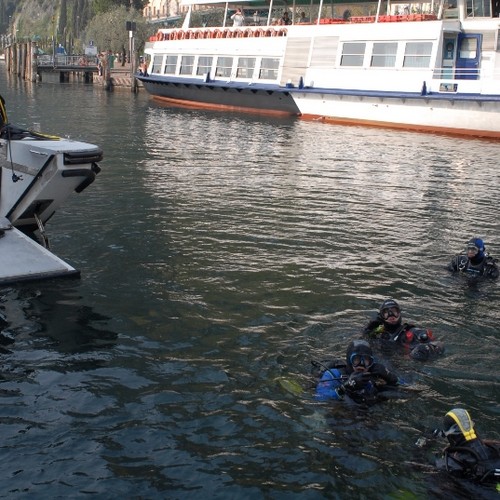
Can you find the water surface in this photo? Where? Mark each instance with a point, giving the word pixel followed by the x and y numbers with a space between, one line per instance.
pixel 220 252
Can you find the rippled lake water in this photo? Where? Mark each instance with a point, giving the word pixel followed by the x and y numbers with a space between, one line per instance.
pixel 221 253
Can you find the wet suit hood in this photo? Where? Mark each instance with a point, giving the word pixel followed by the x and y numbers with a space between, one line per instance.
pixel 357 347
pixel 458 427
pixel 389 304
pixel 479 244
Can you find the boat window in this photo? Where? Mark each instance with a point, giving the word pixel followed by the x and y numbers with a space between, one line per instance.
pixel 187 65
pixel 384 55
pixel 157 62
pixel 269 68
pixel 478 8
pixel 246 66
pixel 204 65
pixel 224 66
pixel 353 54
pixel 417 55
pixel 171 65
pixel 468 48
pixel 450 10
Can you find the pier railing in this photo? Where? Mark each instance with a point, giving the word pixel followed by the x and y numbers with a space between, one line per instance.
pixel 23 60
pixel 61 61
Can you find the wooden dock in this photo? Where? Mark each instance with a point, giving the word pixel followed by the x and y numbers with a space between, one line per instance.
pixel 22 59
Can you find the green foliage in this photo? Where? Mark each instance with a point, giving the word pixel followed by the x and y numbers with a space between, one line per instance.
pixel 7 8
pixel 63 16
pixel 74 22
pixel 109 33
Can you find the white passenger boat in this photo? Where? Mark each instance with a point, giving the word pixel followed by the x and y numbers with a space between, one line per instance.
pixel 38 173
pixel 411 65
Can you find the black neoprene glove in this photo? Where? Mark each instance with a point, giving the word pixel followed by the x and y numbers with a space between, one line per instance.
pixel 379 370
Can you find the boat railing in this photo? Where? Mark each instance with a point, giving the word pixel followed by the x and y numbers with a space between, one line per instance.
pixel 454 73
pixel 277 30
pixel 199 33
pixel 392 18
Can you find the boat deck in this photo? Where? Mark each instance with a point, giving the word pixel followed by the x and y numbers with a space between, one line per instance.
pixel 23 259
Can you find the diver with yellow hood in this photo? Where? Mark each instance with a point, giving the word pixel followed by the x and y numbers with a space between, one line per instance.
pixel 467 455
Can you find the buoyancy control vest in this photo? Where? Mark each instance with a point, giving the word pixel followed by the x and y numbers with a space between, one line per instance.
pixel 479 460
pixel 485 267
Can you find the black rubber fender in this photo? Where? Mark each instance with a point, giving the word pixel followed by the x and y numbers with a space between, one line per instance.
pixel 81 172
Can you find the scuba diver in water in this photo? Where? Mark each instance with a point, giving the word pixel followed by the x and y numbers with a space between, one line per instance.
pixel 475 261
pixel 359 377
pixel 393 334
pixel 467 455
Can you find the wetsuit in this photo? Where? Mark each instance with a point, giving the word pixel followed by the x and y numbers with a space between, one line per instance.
pixel 417 342
pixel 467 455
pixel 338 379
pixel 476 460
pixel 482 266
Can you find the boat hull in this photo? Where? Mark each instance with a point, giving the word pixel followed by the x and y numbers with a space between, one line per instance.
pixel 453 114
pixel 37 176
pixel 216 95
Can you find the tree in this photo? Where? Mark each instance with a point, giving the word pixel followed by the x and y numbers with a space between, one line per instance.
pixel 7 8
pixel 108 29
pixel 63 17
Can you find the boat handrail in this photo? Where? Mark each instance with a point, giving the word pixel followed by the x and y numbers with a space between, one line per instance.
pixel 198 33
pixel 261 31
pixel 394 18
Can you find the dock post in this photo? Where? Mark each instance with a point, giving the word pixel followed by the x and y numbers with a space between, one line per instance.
pixel 34 62
pixel 106 77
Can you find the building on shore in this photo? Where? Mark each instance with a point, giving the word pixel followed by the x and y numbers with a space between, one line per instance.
pixel 161 10
pixel 165 11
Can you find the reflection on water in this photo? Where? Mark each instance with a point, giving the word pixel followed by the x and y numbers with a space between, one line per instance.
pixel 218 254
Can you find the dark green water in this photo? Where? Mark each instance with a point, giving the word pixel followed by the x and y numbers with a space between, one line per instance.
pixel 219 252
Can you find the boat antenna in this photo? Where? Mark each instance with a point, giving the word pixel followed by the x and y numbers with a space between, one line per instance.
pixel 5 128
pixel 15 177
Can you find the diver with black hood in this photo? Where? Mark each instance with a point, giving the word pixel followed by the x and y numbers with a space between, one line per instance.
pixel 475 261
pixel 394 335
pixel 359 377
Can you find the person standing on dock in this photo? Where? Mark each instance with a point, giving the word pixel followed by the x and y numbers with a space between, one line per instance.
pixel 111 60
pixel 100 64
